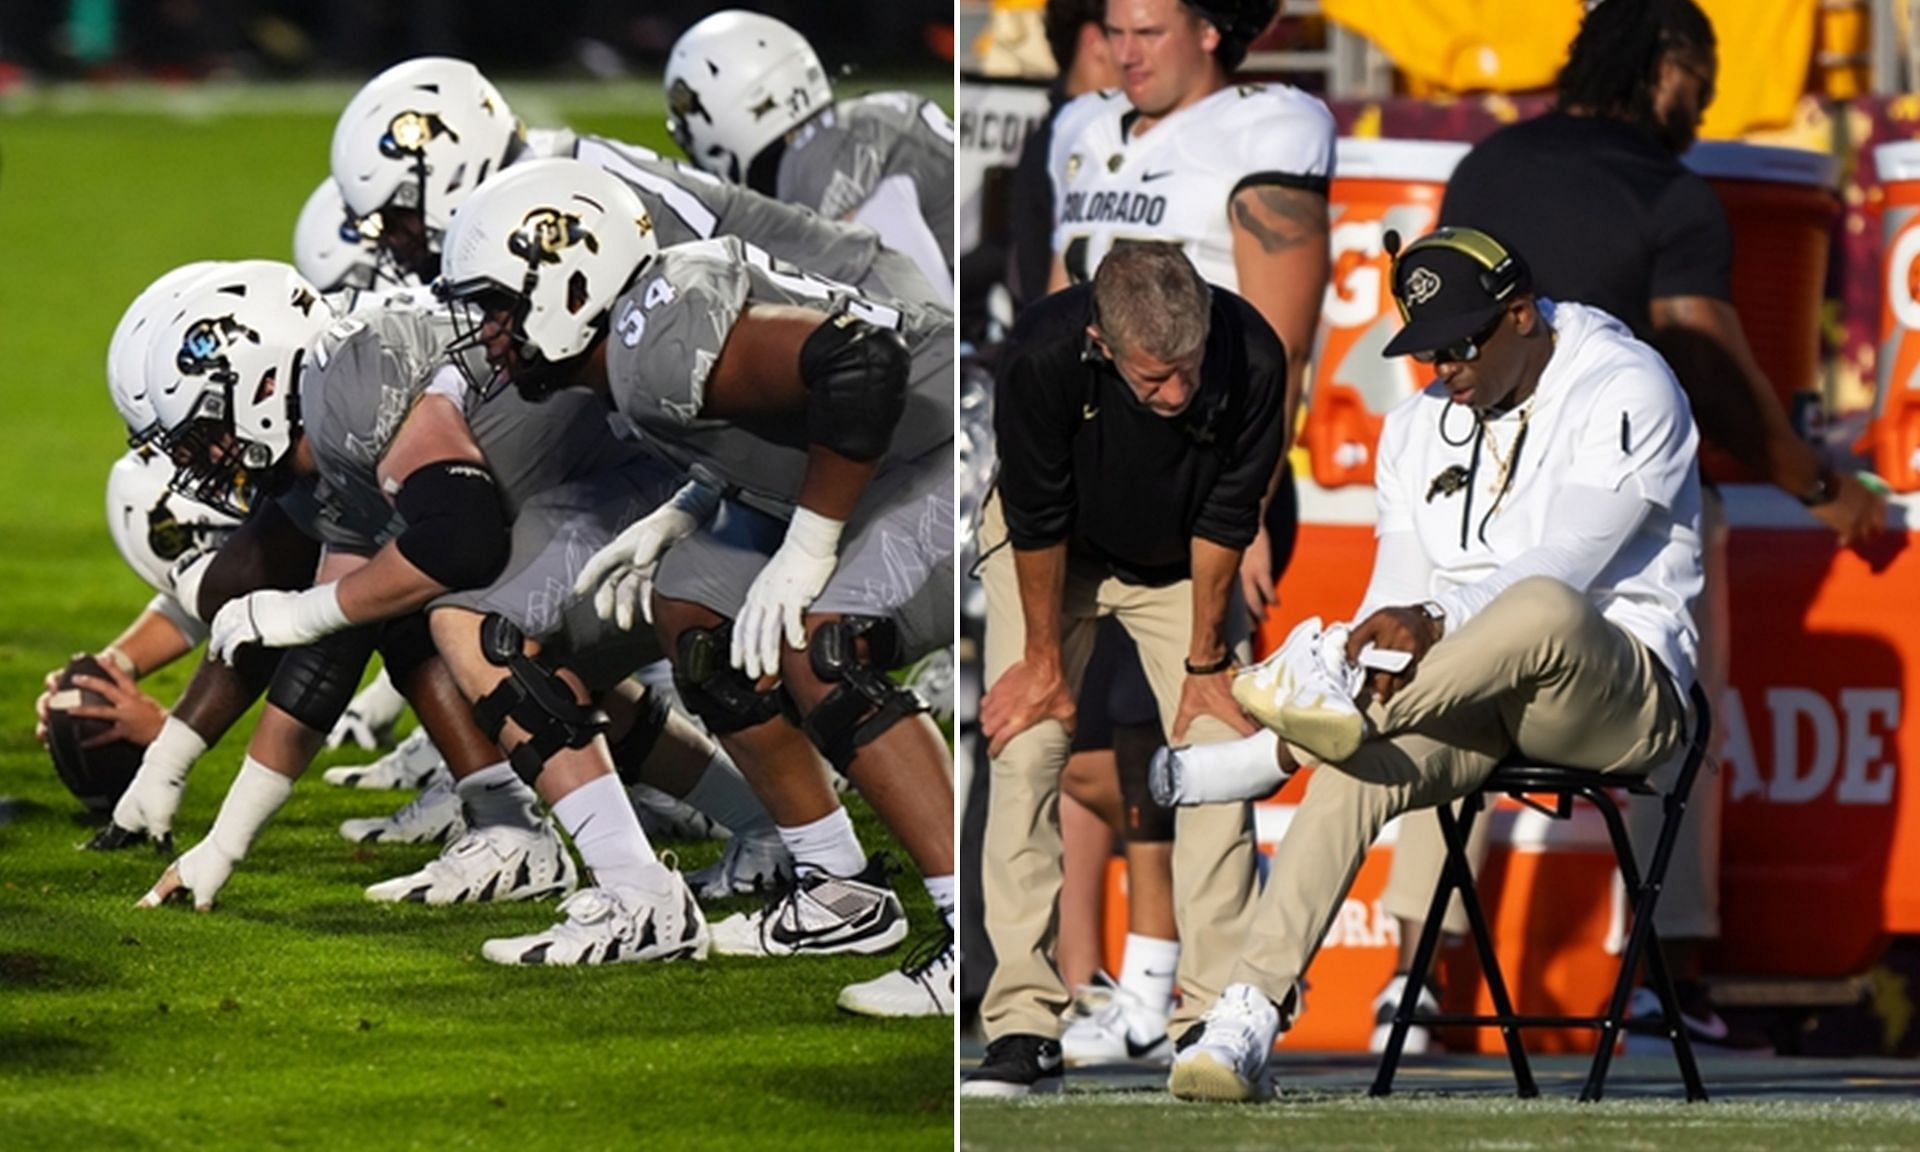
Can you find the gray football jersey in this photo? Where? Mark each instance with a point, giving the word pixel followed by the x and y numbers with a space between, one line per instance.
pixel 836 160
pixel 687 204
pixel 366 373
pixel 669 328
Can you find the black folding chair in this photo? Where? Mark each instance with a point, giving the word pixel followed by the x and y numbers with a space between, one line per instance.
pixel 1527 782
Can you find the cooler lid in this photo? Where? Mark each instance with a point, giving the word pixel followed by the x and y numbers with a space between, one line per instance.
pixel 1899 160
pixel 1732 160
pixel 1367 158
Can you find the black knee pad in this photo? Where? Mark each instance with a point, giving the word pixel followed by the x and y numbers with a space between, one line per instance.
pixel 406 642
pixel 864 701
pixel 1133 749
pixel 533 696
pixel 711 688
pixel 315 682
pixel 649 721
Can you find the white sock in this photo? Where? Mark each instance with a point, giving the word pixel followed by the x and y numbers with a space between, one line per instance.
pixel 945 894
pixel 826 845
pixel 496 797
pixel 1146 970
pixel 601 821
pixel 257 793
pixel 723 794
pixel 1244 769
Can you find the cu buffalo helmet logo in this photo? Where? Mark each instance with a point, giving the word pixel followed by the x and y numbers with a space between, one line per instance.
pixel 203 349
pixel 545 233
pixel 1423 284
pixel 684 102
pixel 409 133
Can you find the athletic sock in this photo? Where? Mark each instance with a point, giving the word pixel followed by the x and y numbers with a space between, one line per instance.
pixel 257 793
pixel 1229 771
pixel 826 845
pixel 943 891
pixel 723 794
pixel 1146 970
pixel 496 797
pixel 601 822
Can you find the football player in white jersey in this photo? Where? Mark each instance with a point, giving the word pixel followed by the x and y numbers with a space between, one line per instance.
pixel 1238 175
pixel 748 100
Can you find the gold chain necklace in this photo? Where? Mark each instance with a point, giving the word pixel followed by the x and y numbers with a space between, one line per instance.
pixel 1506 457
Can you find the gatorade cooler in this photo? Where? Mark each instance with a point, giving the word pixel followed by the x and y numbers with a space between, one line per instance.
pixel 1378 184
pixel 1896 397
pixel 1781 204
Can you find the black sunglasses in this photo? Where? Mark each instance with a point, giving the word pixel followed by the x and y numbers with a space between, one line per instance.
pixel 1464 350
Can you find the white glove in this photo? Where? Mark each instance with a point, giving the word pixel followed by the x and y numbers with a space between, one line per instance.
pixel 624 569
pixel 783 590
pixel 201 871
pixel 370 715
pixel 276 620
pixel 149 803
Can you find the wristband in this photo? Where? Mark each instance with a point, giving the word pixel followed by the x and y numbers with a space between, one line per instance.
pixel 1218 666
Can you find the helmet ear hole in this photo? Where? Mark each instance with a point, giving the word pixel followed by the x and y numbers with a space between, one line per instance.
pixel 576 292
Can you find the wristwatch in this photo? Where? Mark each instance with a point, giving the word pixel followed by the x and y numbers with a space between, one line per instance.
pixel 1437 615
pixel 1825 490
pixel 1218 666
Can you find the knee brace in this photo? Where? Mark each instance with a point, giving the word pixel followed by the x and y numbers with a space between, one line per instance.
pixel 864 701
pixel 722 696
pixel 315 682
pixel 650 719
pixel 533 696
pixel 406 642
pixel 1133 749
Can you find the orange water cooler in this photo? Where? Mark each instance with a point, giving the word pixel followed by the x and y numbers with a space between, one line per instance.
pixel 1781 204
pixel 1896 398
pixel 1378 185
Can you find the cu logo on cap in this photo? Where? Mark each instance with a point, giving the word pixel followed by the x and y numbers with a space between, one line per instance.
pixel 1423 284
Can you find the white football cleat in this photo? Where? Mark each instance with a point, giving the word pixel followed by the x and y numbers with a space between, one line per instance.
pixel 613 926
pixel 923 986
pixel 488 865
pixel 1111 1025
pixel 407 766
pixel 820 914
pixel 1306 692
pixel 428 818
pixel 748 864
pixel 1228 1059
pixel 669 819
pixel 1419 1037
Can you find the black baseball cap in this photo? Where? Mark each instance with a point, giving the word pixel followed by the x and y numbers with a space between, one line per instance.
pixel 1450 285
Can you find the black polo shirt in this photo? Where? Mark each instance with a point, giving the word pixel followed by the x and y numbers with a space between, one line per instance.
pixel 1082 461
pixel 1601 212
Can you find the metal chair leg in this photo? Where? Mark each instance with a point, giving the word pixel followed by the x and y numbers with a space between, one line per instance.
pixel 1455 834
pixel 1416 978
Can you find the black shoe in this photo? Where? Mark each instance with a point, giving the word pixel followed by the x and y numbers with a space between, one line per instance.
pixel 1016 1065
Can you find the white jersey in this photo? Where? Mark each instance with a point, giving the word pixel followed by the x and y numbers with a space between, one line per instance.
pixel 1177 181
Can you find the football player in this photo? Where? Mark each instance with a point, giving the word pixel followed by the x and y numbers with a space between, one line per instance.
pixel 826 419
pixel 748 100
pixel 424 135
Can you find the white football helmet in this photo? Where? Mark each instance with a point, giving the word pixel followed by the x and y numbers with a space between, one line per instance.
pixel 223 369
pixel 558 240
pixel 127 350
pixel 423 134
pixel 154 528
pixel 736 82
pixel 336 251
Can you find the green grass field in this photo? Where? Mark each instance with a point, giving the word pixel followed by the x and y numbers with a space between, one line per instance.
pixel 298 1015
pixel 1126 1122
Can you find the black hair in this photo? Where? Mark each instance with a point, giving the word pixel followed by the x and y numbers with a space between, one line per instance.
pixel 1064 19
pixel 1615 60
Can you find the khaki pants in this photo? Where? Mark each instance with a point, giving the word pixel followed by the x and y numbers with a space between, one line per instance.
pixel 1213 849
pixel 1690 899
pixel 1540 670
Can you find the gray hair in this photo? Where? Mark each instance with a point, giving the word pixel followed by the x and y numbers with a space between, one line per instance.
pixel 1148 297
